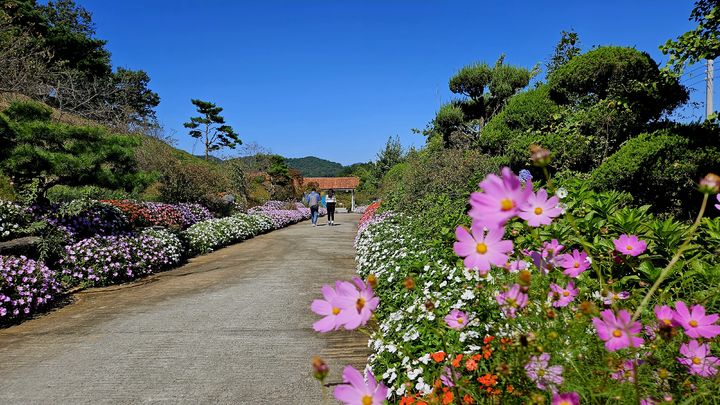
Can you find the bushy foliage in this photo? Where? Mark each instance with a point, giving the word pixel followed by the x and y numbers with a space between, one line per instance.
pixel 430 173
pixel 53 153
pixel 661 168
pixel 104 260
pixel 26 287
pixel 87 218
pixel 530 110
pixel 622 74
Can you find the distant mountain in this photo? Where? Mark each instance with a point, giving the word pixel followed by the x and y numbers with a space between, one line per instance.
pixel 312 166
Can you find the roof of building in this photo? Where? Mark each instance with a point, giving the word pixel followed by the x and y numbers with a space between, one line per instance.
pixel 338 183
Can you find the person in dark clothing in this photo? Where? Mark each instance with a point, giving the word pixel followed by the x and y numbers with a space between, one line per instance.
pixel 330 204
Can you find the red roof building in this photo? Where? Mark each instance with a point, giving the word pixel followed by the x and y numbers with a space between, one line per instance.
pixel 337 183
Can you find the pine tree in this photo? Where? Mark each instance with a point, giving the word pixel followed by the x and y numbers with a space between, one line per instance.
pixel 210 127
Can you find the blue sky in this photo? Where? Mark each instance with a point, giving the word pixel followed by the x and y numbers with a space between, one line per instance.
pixel 335 78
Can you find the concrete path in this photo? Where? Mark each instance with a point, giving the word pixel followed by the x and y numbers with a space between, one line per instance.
pixel 233 326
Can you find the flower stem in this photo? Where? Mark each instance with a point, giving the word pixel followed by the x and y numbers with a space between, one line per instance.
pixel 668 269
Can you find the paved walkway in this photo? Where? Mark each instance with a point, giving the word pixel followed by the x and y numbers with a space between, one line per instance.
pixel 233 326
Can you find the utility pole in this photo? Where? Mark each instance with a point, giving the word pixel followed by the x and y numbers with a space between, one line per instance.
pixel 709 110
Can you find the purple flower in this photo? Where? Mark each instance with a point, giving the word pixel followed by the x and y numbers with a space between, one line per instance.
pixel 448 377
pixel 567 398
pixel 480 250
pixel 626 371
pixel 695 322
pixel 456 319
pixel 697 359
pixel 356 391
pixel 544 376
pixel 574 264
pixel 617 331
pixel 560 296
pixel 610 297
pixel 630 245
pixel 512 300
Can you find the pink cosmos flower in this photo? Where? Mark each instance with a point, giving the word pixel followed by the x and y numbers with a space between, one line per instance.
pixel 456 319
pixel 630 245
pixel 648 401
pixel 718 205
pixel 541 261
pixel 356 391
pixel 697 360
pixel 552 249
pixel 499 200
pixel 567 398
pixel 610 297
pixel 665 316
pixel 482 250
pixel 618 332
pixel 512 300
pixel 626 371
pixel 695 322
pixel 561 297
pixel 543 375
pixel 328 308
pixel 538 209
pixel 574 264
pixel 356 302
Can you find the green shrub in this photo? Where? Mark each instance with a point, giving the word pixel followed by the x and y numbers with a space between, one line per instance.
pixel 660 168
pixel 617 73
pixel 526 111
pixel 25 111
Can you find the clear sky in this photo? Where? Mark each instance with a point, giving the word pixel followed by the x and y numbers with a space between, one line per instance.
pixel 335 78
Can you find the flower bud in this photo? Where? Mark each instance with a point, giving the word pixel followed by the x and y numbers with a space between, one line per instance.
pixel 525 277
pixel 320 368
pixel 710 184
pixel 587 308
pixel 372 280
pixel 539 156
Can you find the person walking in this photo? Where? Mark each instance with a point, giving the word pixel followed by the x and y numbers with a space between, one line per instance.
pixel 330 201
pixel 313 200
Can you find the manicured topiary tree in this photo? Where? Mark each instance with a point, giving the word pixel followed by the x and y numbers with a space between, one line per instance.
pixel 40 153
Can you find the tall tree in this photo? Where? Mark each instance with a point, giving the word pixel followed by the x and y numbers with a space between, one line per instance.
pixel 389 156
pixel 486 89
pixel 211 129
pixel 566 49
pixel 703 42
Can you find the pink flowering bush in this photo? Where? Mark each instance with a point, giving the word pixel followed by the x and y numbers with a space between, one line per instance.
pixel 26 287
pixel 584 300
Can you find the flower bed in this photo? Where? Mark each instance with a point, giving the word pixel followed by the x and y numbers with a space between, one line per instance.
pixel 206 236
pixel 104 260
pixel 87 218
pixel 26 287
pixel 553 302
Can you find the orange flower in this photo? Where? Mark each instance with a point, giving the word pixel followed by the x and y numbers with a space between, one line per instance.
pixel 488 380
pixel 407 401
pixel 488 339
pixel 487 354
pixel 438 357
pixel 422 403
pixel 437 384
pixel 477 357
pixel 471 365
pixel 467 399
pixel 510 388
pixel 447 398
pixel 456 360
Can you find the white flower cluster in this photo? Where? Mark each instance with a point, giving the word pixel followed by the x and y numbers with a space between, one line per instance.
pixel 417 289
pixel 206 236
pixel 11 215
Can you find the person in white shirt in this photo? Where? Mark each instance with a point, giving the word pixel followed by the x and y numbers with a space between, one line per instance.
pixel 330 204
